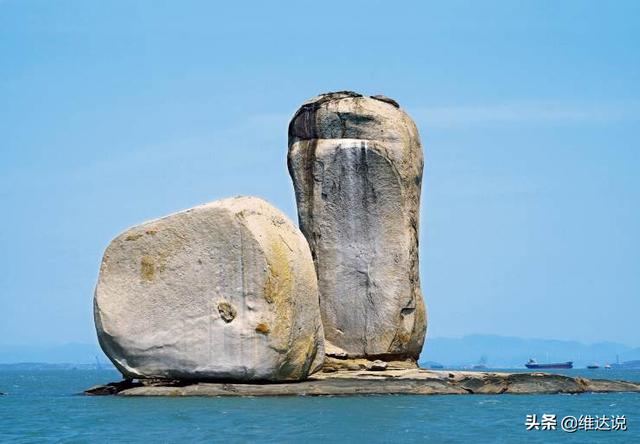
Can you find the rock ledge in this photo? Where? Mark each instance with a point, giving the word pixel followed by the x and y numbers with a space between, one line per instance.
pixel 366 382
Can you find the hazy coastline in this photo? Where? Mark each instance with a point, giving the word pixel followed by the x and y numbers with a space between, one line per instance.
pixel 491 350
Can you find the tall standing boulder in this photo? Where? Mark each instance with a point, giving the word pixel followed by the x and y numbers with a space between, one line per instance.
pixel 226 290
pixel 356 164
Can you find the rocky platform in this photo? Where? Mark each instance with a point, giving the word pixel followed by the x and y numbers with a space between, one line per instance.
pixel 370 382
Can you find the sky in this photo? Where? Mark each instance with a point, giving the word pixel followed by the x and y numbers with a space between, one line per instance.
pixel 113 113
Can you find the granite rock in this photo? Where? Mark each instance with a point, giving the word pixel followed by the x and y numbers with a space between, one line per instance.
pixel 225 290
pixel 377 366
pixel 407 381
pixel 356 164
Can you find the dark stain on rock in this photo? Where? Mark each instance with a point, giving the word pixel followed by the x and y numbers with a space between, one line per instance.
pixel 303 125
pixel 386 99
pixel 227 312
pixel 407 311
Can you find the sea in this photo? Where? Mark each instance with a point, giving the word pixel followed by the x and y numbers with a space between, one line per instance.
pixel 41 406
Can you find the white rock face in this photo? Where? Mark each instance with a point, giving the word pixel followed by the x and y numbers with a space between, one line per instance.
pixel 356 164
pixel 226 290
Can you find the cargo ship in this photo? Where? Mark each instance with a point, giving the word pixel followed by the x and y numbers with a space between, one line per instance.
pixel 533 364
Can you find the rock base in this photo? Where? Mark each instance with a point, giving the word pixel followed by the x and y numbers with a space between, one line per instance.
pixel 371 382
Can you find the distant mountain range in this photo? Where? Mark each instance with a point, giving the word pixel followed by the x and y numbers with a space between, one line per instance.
pixel 509 352
pixel 490 350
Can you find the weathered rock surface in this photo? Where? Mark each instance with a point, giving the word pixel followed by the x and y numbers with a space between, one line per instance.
pixel 356 164
pixel 226 290
pixel 407 381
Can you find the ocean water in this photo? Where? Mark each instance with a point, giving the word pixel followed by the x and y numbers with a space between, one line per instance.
pixel 45 406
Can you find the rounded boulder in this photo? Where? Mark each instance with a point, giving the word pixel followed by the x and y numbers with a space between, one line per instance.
pixel 225 290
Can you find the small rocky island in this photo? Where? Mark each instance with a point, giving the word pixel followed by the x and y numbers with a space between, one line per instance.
pixel 230 298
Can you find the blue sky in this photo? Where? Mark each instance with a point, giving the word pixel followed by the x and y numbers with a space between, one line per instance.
pixel 113 113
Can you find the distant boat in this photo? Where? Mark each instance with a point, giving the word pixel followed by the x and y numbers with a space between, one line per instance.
pixel 593 366
pixel 533 364
pixel 607 366
pixel 481 365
